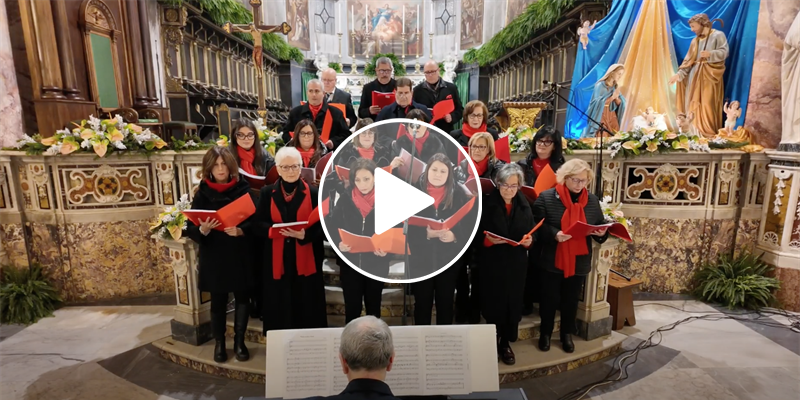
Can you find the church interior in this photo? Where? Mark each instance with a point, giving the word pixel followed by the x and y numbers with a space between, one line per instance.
pixel 688 111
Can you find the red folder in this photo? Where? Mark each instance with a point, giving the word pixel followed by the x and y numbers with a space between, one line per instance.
pixel 229 216
pixel 416 170
pixel 323 208
pixel 272 175
pixel 461 156
pixel 511 242
pixel 581 229
pixel 323 162
pixel 486 185
pixel 529 193
pixel 502 150
pixel 545 180
pixel 382 99
pixel 447 224
pixel 390 241
pixel 274 231
pixel 443 108
pixel 255 181
pixel 309 175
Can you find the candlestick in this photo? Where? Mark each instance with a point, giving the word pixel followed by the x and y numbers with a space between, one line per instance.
pixel 365 18
pixel 353 69
pixel 340 52
pixel 404 19
pixel 419 42
pixel 403 57
pixel 431 45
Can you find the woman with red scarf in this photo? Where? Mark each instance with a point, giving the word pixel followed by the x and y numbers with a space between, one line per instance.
pixel 253 161
pixel 225 256
pixel 476 115
pixel 566 260
pixel 355 213
pixel 294 293
pixel 306 141
pixel 430 250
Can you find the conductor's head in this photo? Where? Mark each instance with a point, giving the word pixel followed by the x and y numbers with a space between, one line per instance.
pixel 366 350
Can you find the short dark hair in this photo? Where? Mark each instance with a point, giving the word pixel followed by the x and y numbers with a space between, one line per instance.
pixel 545 133
pixel 417 114
pixel 404 82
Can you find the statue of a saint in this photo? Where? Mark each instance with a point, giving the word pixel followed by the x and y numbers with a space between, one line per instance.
pixel 685 124
pixel 607 104
pixel 699 77
pixel 790 88
pixel 450 63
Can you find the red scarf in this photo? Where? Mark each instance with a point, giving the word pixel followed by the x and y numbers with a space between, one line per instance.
pixel 306 265
pixel 246 158
pixel 366 153
pixel 220 187
pixel 539 164
pixel 508 208
pixel 482 166
pixel 314 110
pixel 468 131
pixel 567 251
pixel 306 155
pixel 437 193
pixel 364 202
pixel 421 142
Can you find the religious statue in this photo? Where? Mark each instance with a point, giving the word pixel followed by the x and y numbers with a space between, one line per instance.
pixel 583 32
pixel 450 64
pixel 321 62
pixel 258 50
pixel 732 112
pixel 607 104
pixel 699 77
pixel 650 120
pixel 685 126
pixel 790 88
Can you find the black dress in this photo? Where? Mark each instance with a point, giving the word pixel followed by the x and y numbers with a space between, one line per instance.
pixel 427 256
pixel 292 301
pixel 355 286
pixel 503 267
pixel 225 261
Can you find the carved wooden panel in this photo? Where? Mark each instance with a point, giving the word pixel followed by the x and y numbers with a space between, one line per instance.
pixel 678 184
pixel 123 185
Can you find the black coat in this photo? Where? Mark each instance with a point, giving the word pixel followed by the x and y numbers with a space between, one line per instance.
pixel 345 215
pixel 366 96
pixel 225 261
pixel 293 301
pixel 427 256
pixel 395 111
pixel 339 131
pixel 463 140
pixel 362 389
pixel 549 207
pixel 503 267
pixel 342 97
pixel 429 98
pixel 527 167
pixel 463 170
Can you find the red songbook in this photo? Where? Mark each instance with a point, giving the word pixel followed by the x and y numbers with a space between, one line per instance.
pixel 461 156
pixel 309 175
pixel 229 216
pixel 443 108
pixel 272 175
pixel 315 216
pixel 581 229
pixel 529 193
pixel 344 173
pixel 322 163
pixel 447 224
pixel 390 242
pixel 255 181
pixel 512 242
pixel 275 230
pixel 416 170
pixel 486 185
pixel 545 180
pixel 502 150
pixel 382 99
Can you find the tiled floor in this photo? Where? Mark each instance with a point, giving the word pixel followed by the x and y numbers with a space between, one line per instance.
pixel 103 352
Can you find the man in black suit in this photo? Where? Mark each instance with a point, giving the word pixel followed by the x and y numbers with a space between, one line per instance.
pixel 366 353
pixel 335 95
pixel 433 90
pixel 383 83
pixel 317 110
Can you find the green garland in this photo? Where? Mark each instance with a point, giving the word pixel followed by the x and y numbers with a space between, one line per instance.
pixel 222 11
pixel 539 15
pixel 399 69
pixel 335 66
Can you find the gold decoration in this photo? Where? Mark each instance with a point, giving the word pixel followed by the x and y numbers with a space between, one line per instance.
pixel 666 183
pixel 522 113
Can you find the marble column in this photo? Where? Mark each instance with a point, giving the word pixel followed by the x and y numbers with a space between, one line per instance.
pixel 10 107
pixel 65 51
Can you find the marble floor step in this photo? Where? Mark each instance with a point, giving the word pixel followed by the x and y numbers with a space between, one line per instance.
pixel 330 272
pixel 531 362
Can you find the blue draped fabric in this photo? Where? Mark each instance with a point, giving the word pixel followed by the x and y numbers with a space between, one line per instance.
pixel 606 42
pixel 741 24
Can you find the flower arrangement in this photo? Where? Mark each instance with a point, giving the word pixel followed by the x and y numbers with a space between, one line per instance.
pixel 94 135
pixel 520 138
pixel 270 139
pixel 613 212
pixel 171 223
pixel 633 143
pixel 194 143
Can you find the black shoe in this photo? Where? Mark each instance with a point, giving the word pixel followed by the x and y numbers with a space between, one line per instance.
pixel 239 329
pixel 566 343
pixel 544 342
pixel 507 355
pixel 220 355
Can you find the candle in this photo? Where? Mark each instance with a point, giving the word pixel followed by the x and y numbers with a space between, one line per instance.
pixel 431 17
pixel 341 16
pixel 352 18
pixel 417 27
pixel 365 18
pixel 404 18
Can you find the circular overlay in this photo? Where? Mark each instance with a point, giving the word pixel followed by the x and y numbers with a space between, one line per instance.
pixel 393 197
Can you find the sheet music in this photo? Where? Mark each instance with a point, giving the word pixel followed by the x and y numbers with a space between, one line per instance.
pixel 406 373
pixel 339 378
pixel 446 362
pixel 307 374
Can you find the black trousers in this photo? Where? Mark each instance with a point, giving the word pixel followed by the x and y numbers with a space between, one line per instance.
pixel 533 286
pixel 439 289
pixel 356 287
pixel 560 293
pixel 468 303
pixel 219 303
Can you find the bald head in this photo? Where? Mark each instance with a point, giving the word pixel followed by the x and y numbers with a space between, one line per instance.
pixel 329 79
pixel 431 72
pixel 366 345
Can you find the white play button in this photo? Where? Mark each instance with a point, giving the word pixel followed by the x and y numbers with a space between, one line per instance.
pixel 395 201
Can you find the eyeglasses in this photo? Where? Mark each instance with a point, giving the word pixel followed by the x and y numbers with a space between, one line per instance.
pixel 431 72
pixel 329 80
pixel 579 181
pixel 544 143
pixel 479 148
pixel 508 187
pixel 475 116
pixel 245 136
pixel 287 168
pixel 384 71
pixel 367 133
pixel 306 134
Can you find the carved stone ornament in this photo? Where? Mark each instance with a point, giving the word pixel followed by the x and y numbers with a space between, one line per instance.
pixel 106 185
pixel 96 14
pixel 2 176
pixel 179 265
pixel 665 183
